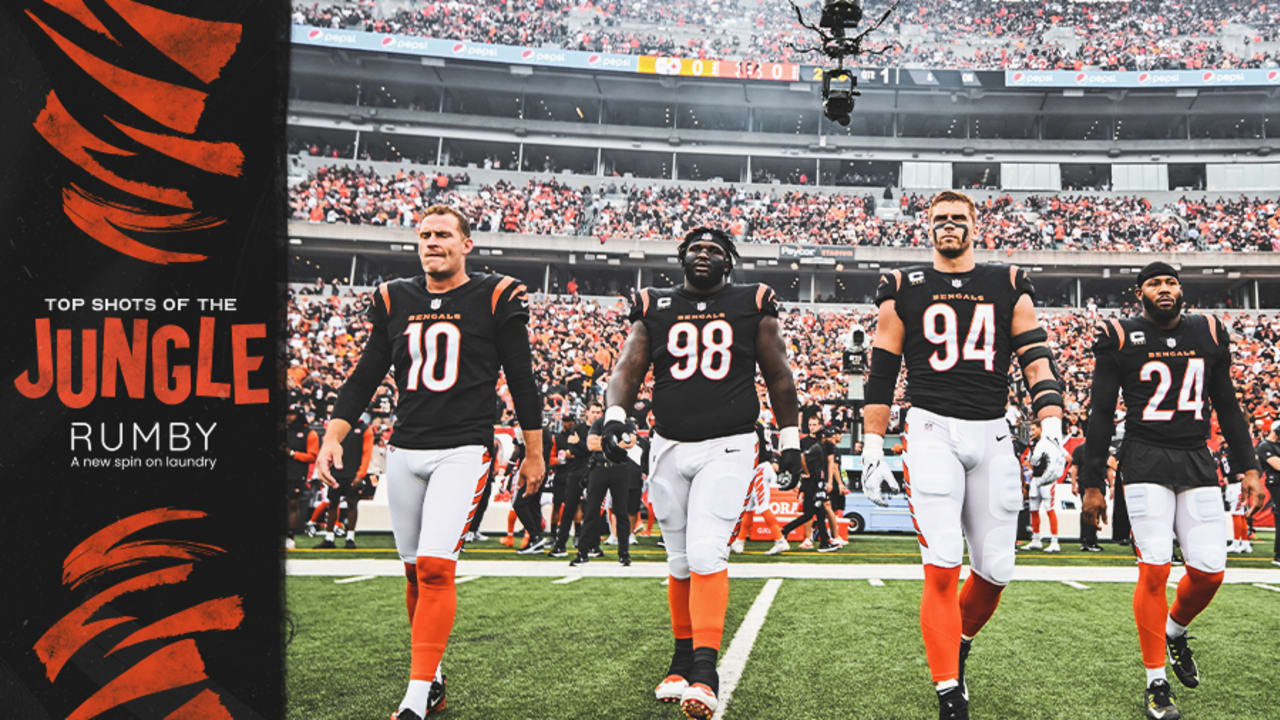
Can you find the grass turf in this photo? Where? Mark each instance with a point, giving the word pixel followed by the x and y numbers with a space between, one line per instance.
pixel 861 549
pixel 525 648
pixel 520 648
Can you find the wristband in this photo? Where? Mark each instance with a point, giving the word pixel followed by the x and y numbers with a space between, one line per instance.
pixel 872 446
pixel 789 438
pixel 615 413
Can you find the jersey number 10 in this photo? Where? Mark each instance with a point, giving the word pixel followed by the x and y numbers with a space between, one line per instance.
pixel 424 350
pixel 979 342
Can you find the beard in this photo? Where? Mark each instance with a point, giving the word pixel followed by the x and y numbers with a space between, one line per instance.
pixel 716 273
pixel 1158 313
pixel 954 251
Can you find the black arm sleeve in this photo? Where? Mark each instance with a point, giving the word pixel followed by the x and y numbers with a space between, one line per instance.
pixel 1101 424
pixel 517 365
pixel 375 360
pixel 1234 427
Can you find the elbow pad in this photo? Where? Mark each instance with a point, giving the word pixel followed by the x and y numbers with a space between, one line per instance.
pixel 883 377
pixel 1034 354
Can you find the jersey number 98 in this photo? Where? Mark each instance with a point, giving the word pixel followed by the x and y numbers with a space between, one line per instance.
pixel 712 358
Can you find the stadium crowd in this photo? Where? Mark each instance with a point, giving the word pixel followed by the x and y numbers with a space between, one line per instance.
pixel 576 341
pixel 342 194
pixel 968 34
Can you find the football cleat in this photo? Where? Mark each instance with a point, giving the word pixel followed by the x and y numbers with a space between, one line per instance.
pixel 595 552
pixel 1246 547
pixel 311 529
pixel 435 698
pixel 1184 666
pixel 1158 701
pixel 663 545
pixel 350 544
pixel 698 702
pixel 558 552
pixel 406 714
pixel 613 540
pixel 579 560
pixel 289 544
pixel 538 546
pixel 671 689
pixel 1053 546
pixel 632 538
pixel 828 547
pixel 1091 548
pixel 624 560
pixel 1032 544
pixel 326 545
pixel 807 544
pixel 736 546
pixel 779 546
pixel 964 655
pixel 952 705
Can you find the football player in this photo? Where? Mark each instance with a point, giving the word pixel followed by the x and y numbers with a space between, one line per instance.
pixel 1042 493
pixel 704 340
pixel 344 482
pixel 758 501
pixel 1174 371
pixel 446 333
pixel 959 325
pixel 1234 501
pixel 301 445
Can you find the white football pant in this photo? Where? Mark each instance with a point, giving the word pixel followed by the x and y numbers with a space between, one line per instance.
pixel 1196 515
pixel 432 496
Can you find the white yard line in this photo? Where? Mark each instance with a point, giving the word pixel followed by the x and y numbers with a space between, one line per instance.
pixel 1074 584
pixel 466 578
pixel 875 582
pixel 735 658
pixel 792 571
pixel 355 579
pixel 566 580
pixel 1267 587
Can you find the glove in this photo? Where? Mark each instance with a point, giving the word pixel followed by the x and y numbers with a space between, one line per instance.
pixel 874 470
pixel 790 465
pixel 789 469
pixel 611 437
pixel 1048 458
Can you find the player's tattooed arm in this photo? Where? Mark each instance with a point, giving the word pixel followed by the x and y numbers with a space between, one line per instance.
pixel 1036 359
pixel 771 351
pixel 630 369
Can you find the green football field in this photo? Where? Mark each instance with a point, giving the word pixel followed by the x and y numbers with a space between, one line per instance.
pixel 527 647
pixel 879 548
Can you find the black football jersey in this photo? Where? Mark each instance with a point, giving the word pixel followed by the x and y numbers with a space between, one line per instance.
pixel 1164 376
pixel 957 345
pixel 703 351
pixel 444 349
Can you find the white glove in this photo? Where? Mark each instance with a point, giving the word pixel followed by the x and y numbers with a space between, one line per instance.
pixel 874 470
pixel 1049 446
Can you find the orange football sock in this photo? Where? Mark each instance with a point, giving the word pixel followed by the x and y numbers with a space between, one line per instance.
pixel 1035 522
pixel 1240 526
pixel 744 525
pixel 978 600
pixel 772 521
pixel 1195 590
pixel 511 522
pixel 1053 523
pixel 678 599
pixel 940 622
pixel 433 615
pixel 411 589
pixel 708 601
pixel 319 512
pixel 1150 606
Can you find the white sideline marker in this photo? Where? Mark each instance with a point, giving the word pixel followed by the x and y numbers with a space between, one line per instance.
pixel 466 578
pixel 1074 584
pixel 875 582
pixel 566 580
pixel 358 578
pixel 735 658
pixel 1272 588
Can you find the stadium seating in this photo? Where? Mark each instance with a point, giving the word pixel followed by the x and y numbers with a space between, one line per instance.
pixel 968 34
pixel 346 194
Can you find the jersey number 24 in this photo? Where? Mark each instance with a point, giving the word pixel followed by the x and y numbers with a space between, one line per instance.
pixel 1190 397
